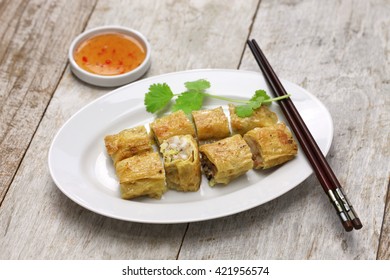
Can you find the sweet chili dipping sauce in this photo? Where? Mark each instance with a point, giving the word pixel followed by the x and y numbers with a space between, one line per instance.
pixel 109 54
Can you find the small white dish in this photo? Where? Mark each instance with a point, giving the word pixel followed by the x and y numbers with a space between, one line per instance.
pixel 113 80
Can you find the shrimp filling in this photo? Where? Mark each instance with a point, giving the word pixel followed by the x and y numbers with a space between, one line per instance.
pixel 176 148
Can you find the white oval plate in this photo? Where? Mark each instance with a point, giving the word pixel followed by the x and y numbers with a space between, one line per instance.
pixel 82 170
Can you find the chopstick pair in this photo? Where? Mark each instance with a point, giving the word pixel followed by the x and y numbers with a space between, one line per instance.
pixel 324 173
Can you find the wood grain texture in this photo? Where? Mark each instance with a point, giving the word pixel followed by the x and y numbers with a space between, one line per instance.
pixel 339 51
pixel 33 56
pixel 36 220
pixel 384 241
pixel 198 33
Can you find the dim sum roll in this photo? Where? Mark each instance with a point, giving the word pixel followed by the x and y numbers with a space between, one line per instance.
pixel 141 175
pixel 127 143
pixel 261 117
pixel 174 124
pixel 211 124
pixel 226 159
pixel 271 146
pixel 181 163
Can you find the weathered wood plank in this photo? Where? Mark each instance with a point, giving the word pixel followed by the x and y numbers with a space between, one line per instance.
pixel 35 35
pixel 36 220
pixel 339 51
pixel 384 241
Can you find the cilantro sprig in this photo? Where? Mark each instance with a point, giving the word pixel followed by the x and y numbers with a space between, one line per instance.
pixel 160 95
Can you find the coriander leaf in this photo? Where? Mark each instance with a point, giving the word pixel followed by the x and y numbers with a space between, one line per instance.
pixel 244 111
pixel 260 93
pixel 257 102
pixel 188 101
pixel 158 97
pixel 199 85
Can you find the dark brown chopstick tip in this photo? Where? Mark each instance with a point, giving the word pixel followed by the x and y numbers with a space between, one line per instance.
pixel 357 224
pixel 348 226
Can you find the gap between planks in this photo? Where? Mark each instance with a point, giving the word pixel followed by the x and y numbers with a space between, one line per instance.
pixel 43 114
pixel 381 252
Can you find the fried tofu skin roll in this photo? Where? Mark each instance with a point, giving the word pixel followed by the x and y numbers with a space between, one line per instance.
pixel 127 143
pixel 141 175
pixel 211 124
pixel 261 117
pixel 226 159
pixel 271 146
pixel 181 163
pixel 174 124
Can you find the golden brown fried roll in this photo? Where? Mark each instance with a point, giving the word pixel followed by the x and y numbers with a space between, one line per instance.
pixel 127 143
pixel 181 162
pixel 271 146
pixel 226 159
pixel 261 117
pixel 141 175
pixel 211 124
pixel 174 124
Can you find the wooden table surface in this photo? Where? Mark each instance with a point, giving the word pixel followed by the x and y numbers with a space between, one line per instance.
pixel 337 50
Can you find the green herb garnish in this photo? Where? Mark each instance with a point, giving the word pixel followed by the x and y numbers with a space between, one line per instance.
pixel 160 95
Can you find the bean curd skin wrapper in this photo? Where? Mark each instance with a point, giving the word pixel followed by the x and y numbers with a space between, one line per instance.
pixel 141 175
pixel 271 146
pixel 181 163
pixel 127 143
pixel 170 125
pixel 211 124
pixel 262 117
pixel 226 159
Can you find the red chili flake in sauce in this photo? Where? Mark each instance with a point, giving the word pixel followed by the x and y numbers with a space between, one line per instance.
pixel 109 50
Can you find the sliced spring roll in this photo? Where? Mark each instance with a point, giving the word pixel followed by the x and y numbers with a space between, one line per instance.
pixel 211 124
pixel 127 143
pixel 261 117
pixel 141 175
pixel 271 146
pixel 226 159
pixel 181 163
pixel 174 124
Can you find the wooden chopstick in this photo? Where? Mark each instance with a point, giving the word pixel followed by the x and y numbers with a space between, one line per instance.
pixel 324 173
